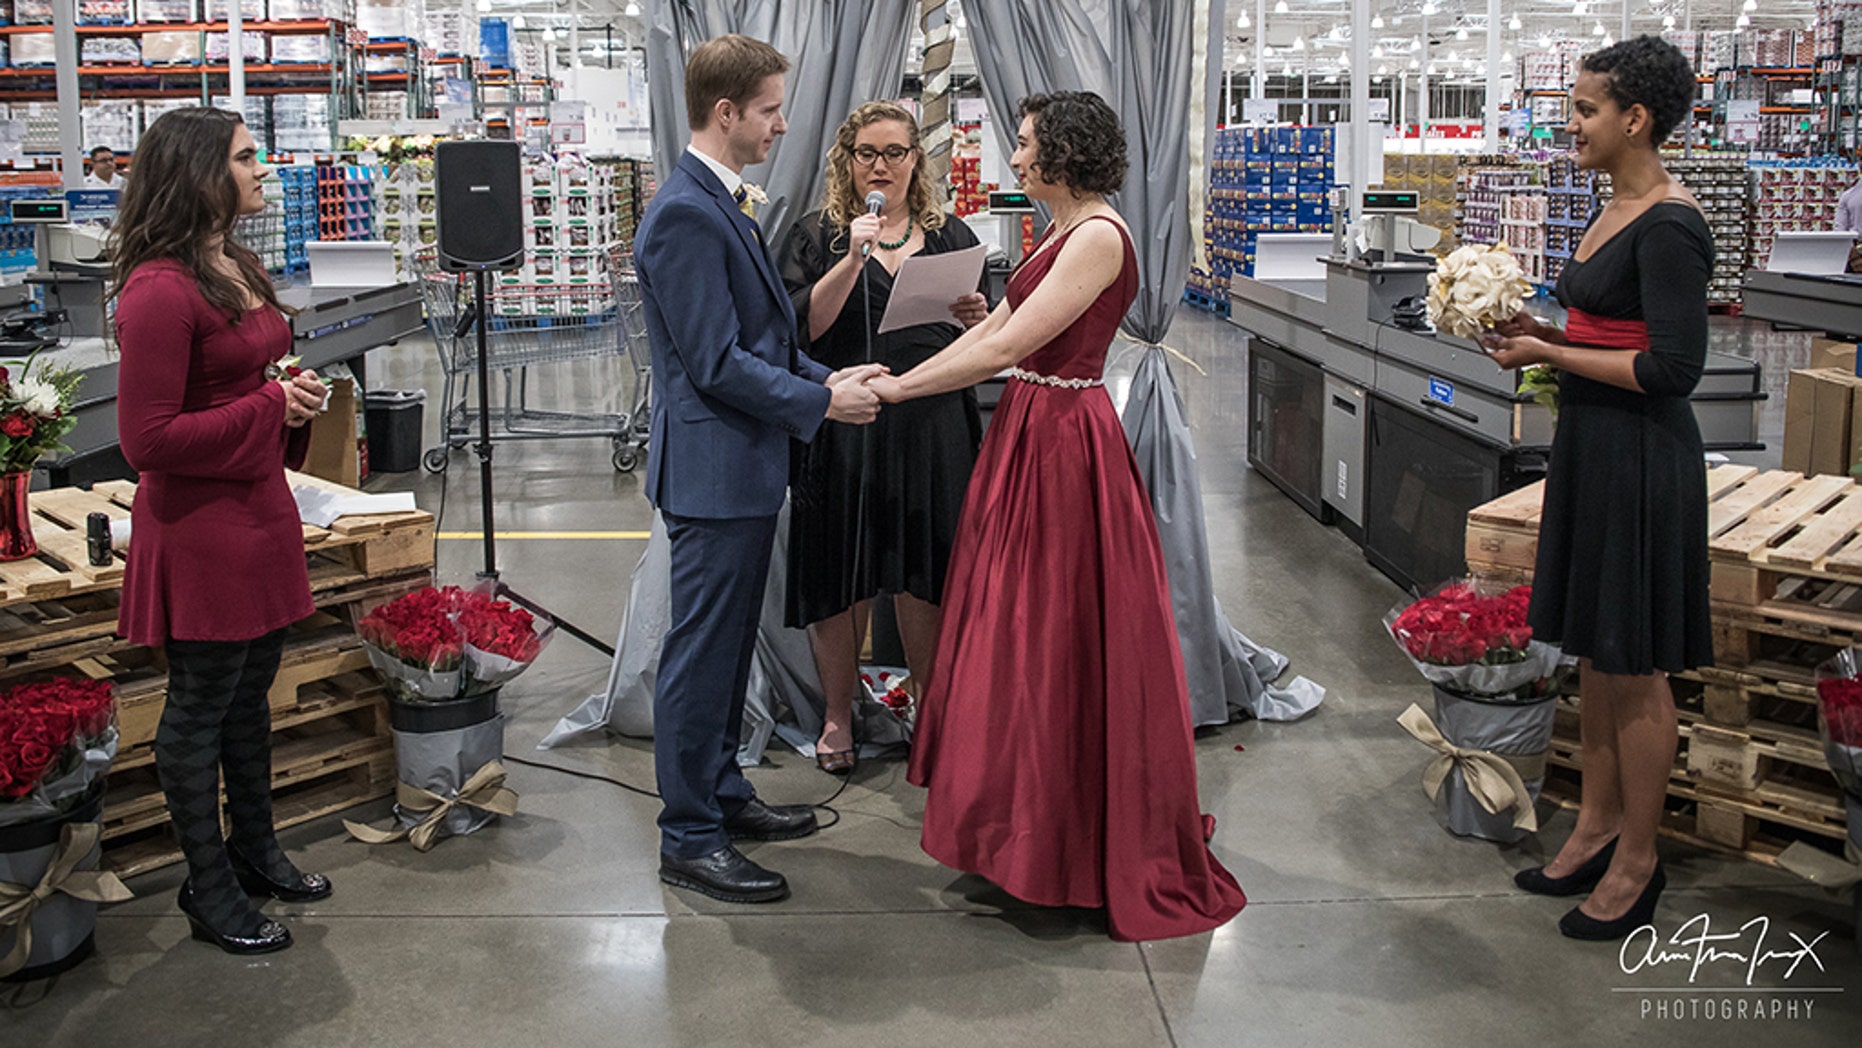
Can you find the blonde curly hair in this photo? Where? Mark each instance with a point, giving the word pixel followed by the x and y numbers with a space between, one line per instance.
pixel 839 205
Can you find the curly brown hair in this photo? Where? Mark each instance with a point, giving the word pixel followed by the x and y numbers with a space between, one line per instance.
pixel 182 199
pixel 1078 141
pixel 840 206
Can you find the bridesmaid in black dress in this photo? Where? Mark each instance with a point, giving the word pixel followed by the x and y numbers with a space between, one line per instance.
pixel 1621 577
pixel 916 459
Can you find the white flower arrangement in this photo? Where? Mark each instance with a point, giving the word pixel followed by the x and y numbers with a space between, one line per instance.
pixel 1475 287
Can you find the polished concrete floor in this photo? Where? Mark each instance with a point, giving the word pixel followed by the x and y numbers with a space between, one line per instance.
pixel 1368 924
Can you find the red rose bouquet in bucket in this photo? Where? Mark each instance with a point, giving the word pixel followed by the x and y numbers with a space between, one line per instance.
pixel 57 739
pixel 1839 721
pixel 1493 719
pixel 445 653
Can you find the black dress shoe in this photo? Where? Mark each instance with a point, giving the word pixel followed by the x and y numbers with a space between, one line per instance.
pixel 309 887
pixel 1577 882
pixel 724 874
pixel 771 822
pixel 270 938
pixel 1579 925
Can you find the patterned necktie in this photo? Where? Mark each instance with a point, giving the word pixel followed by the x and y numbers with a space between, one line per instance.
pixel 742 196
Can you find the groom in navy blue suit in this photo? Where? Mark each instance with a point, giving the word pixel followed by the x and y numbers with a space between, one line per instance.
pixel 732 388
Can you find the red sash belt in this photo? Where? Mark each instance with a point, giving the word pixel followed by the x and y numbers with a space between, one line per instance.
pixel 1584 329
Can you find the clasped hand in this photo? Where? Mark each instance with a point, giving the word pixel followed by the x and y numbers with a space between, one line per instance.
pixel 853 398
pixel 1520 342
pixel 304 397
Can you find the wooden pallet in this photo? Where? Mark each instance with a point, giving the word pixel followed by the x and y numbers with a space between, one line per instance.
pixel 338 789
pixel 1789 798
pixel 1708 829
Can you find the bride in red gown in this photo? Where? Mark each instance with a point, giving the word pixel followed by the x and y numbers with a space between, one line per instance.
pixel 1054 736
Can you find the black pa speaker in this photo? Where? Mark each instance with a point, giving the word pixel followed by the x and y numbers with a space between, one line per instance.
pixel 480 205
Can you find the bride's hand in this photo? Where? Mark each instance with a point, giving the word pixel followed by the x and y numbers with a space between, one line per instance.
pixel 888 388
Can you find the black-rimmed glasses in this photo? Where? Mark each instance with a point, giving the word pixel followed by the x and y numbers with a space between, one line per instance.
pixel 867 156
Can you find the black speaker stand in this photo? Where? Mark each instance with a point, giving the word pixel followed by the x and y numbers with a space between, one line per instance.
pixel 483 450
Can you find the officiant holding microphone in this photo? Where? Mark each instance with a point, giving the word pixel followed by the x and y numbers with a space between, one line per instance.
pixel 874 509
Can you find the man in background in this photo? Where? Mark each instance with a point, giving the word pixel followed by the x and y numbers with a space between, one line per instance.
pixel 102 174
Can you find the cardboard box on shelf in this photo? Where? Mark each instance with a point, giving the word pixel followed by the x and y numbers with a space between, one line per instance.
pixel 1832 353
pixel 334 453
pixel 1819 435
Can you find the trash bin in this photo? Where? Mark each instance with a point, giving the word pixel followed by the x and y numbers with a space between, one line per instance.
pixel 394 418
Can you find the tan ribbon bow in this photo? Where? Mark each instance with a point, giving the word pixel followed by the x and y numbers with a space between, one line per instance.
pixel 1492 778
pixel 18 902
pixel 485 790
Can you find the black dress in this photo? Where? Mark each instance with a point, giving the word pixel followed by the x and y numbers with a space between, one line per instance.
pixel 918 455
pixel 1622 573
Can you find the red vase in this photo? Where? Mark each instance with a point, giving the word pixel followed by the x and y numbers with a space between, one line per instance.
pixel 16 542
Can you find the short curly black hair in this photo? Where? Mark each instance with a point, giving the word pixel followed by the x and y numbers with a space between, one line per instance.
pixel 1650 72
pixel 1078 141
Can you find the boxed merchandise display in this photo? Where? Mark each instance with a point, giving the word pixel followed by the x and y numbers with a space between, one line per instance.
pixel 165 11
pixel 249 10
pixel 254 46
pixel 308 10
pixel 287 50
pixel 110 50
pixel 103 12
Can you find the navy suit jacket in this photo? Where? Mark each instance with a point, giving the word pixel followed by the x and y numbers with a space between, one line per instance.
pixel 731 385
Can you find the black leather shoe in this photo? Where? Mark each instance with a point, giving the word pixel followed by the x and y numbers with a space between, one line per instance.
pixel 1577 882
pixel 309 887
pixel 724 874
pixel 1579 925
pixel 271 936
pixel 771 822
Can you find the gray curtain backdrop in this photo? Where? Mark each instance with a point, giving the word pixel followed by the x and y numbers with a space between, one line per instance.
pixel 844 53
pixel 1136 54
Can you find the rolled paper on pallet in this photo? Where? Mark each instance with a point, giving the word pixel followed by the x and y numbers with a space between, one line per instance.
pixel 1497 781
pixel 18 902
pixel 485 790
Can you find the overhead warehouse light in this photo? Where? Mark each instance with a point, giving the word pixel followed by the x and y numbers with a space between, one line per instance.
pixel 1243 22
pixel 1514 25
pixel 632 11
pixel 1461 33
pixel 1280 7
pixel 1377 21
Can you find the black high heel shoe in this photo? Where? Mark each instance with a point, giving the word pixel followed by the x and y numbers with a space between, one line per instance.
pixel 309 887
pixel 1579 925
pixel 271 936
pixel 1577 882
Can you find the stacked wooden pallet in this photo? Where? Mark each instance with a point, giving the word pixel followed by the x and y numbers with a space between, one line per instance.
pixel 1786 557
pixel 332 748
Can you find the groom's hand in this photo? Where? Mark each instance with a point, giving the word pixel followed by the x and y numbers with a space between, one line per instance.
pixel 853 400
pixel 857 374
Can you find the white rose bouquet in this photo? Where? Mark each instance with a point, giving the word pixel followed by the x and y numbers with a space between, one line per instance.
pixel 1475 287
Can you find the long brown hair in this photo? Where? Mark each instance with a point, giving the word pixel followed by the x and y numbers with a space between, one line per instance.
pixel 838 204
pixel 182 197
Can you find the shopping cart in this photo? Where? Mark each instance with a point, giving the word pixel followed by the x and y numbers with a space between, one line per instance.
pixel 529 326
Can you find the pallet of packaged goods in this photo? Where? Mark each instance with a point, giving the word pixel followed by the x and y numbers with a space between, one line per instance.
pixel 332 745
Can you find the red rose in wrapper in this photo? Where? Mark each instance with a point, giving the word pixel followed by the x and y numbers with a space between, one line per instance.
pixel 42 723
pixel 1842 710
pixel 1459 635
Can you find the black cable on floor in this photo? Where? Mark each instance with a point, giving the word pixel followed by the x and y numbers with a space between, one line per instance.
pixel 629 787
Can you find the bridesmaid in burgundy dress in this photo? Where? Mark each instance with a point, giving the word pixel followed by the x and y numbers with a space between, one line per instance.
pixel 1054 735
pixel 216 564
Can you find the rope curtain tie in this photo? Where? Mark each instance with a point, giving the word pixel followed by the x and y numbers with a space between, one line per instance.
pixel 1173 351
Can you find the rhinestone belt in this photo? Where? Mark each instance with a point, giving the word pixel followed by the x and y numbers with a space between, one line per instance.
pixel 1051 380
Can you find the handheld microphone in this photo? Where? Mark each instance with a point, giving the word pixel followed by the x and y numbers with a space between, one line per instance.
pixel 875 203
